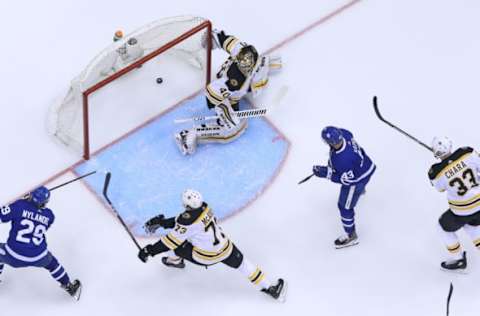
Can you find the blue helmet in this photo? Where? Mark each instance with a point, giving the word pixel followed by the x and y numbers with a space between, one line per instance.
pixel 40 196
pixel 332 135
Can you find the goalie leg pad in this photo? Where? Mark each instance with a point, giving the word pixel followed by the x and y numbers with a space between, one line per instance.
pixel 217 133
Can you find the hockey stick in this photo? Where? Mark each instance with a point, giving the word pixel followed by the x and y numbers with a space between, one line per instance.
pixel 250 113
pixel 377 111
pixel 105 189
pixel 240 114
pixel 306 179
pixel 449 297
pixel 68 182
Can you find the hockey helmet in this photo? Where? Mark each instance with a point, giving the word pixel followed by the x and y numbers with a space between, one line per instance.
pixel 40 196
pixel 246 59
pixel 332 135
pixel 441 146
pixel 192 199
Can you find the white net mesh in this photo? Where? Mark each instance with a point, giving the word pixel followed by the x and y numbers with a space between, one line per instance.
pixel 65 119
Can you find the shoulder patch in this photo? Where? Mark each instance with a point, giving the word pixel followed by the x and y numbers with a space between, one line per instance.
pixel 190 216
pixel 235 78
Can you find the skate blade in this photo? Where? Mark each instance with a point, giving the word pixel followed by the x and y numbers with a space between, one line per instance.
pixel 347 245
pixel 78 293
pixel 456 271
pixel 283 295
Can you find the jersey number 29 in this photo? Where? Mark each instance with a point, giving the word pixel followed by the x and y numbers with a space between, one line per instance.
pixel 37 230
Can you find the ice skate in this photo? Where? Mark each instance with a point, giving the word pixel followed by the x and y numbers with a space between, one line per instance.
pixel 74 289
pixel 458 265
pixel 346 240
pixel 186 141
pixel 180 139
pixel 277 291
pixel 174 262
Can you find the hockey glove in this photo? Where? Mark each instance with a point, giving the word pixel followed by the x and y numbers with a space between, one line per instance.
pixel 153 224
pixel 144 253
pixel 322 171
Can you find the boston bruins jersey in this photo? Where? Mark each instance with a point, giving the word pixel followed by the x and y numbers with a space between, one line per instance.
pixel 200 228
pixel 458 175
pixel 232 84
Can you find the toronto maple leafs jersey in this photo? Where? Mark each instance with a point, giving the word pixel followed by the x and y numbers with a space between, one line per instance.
pixel 200 228
pixel 459 176
pixel 350 164
pixel 26 241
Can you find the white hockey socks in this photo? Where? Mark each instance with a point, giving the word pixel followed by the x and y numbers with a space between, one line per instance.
pixel 452 243
pixel 254 274
pixel 474 233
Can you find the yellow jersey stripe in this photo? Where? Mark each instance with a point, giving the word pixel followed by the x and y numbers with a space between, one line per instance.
pixel 440 174
pixel 259 279
pixel 220 254
pixel 465 208
pixel 227 42
pixel 168 243
pixel 214 95
pixel 459 203
pixel 202 215
pixel 231 45
pixel 254 275
pixel 260 84
pixel 212 253
pixel 454 248
pixel 174 239
pixel 477 242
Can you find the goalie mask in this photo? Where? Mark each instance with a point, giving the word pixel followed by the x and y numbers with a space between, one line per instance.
pixel 192 199
pixel 246 59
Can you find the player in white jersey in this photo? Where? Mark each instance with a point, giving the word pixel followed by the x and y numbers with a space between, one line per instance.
pixel 196 237
pixel 458 174
pixel 245 71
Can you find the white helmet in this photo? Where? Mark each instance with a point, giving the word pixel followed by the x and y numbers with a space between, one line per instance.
pixel 442 146
pixel 192 199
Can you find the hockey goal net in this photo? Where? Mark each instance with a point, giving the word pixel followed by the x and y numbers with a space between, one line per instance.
pixel 118 90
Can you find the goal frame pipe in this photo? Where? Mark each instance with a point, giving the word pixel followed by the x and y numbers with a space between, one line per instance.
pixel 204 25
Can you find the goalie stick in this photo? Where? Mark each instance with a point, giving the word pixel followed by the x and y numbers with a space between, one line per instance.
pixel 377 111
pixel 240 114
pixel 250 113
pixel 105 190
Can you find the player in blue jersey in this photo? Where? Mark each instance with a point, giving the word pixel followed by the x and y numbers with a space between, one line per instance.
pixel 26 245
pixel 349 166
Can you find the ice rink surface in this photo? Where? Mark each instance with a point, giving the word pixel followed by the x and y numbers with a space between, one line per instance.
pixel 419 57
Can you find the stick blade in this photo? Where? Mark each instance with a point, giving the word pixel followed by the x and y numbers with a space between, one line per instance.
pixel 375 107
pixel 106 183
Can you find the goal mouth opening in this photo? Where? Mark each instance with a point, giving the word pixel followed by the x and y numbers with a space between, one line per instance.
pixel 118 90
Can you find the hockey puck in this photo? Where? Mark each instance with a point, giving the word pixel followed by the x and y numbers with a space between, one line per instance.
pixel 159 80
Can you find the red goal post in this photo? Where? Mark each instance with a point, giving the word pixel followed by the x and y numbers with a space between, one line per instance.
pixel 187 37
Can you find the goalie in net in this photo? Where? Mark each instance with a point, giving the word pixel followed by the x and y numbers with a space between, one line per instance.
pixel 245 71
